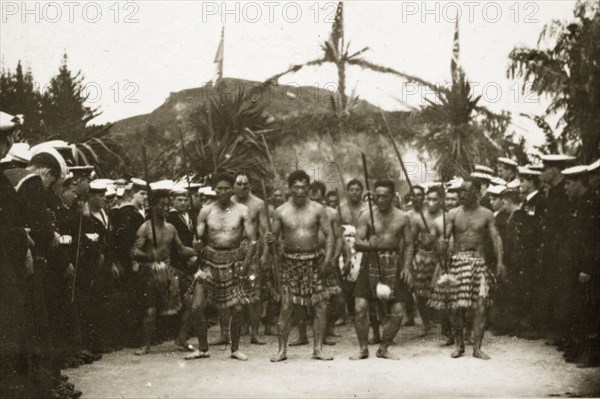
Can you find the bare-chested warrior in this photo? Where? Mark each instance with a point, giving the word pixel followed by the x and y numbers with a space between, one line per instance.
pixel 426 257
pixel 303 266
pixel 161 290
pixel 354 205
pixel 258 216
pixel 223 270
pixel 473 281
pixel 391 244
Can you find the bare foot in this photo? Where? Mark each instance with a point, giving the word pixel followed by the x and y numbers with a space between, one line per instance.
pixel 374 340
pixel 385 354
pixel 320 355
pixel 256 341
pixel 299 342
pixel 239 356
pixel 458 352
pixel 142 351
pixel 220 341
pixel 197 355
pixel 480 355
pixel 329 341
pixel 361 355
pixel 280 357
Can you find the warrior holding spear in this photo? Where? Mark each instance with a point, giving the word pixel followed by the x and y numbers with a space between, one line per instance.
pixel 384 236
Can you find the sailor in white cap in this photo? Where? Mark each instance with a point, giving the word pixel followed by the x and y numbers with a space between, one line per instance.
pixel 100 272
pixel 554 312
pixel 485 179
pixel 582 234
pixel 533 198
pixel 521 260
pixel 507 169
pixel 14 246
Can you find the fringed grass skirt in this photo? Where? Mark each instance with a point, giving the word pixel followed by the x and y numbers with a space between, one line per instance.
pixel 467 282
pixel 161 288
pixel 424 265
pixel 391 263
pixel 301 278
pixel 223 286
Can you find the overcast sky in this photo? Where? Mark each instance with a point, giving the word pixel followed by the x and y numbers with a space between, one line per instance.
pixel 133 54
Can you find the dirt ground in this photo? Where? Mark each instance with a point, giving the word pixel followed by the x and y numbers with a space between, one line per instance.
pixel 518 368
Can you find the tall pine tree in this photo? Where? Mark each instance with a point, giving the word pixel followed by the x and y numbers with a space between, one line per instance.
pixel 63 106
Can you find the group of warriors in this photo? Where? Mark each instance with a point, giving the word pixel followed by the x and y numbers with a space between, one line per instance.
pixel 88 265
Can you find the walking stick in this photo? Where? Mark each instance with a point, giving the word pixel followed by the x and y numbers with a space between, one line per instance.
pixel 145 160
pixel 410 186
pixel 77 255
pixel 383 290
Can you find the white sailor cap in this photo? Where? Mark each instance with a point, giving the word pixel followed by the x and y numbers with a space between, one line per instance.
pixel 98 186
pixel 575 171
pixel 19 152
pixel 120 191
pixel 483 169
pixel 508 162
pixel 110 191
pixel 207 191
pixel 498 181
pixel 179 190
pixel 41 152
pixel 166 185
pixel 138 183
pixel 495 190
pixel 556 159
pixel 594 166
pixel 527 172
pixel 481 176
pixel 8 122
pixel 511 185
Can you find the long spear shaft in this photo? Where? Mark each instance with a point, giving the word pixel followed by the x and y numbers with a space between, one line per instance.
pixel 410 186
pixel 271 249
pixel 364 162
pixel 145 160
pixel 187 176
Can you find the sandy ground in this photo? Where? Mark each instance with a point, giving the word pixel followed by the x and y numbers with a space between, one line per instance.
pixel 518 368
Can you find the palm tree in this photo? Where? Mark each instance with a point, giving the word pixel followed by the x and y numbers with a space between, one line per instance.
pixel 225 134
pixel 568 73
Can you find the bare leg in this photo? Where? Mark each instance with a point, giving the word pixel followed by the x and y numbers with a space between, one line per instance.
pixel 375 324
pixel 424 312
pixel 147 331
pixel 446 327
pixel 361 324
pixel 224 318
pixel 236 330
pixel 479 325
pixel 320 326
pixel 255 310
pixel 283 325
pixel 390 329
pixel 184 329
pixel 300 315
pixel 457 318
pixel 198 307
